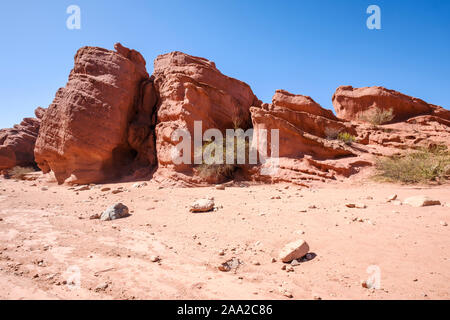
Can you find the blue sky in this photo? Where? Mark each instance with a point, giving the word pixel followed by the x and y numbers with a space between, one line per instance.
pixel 305 47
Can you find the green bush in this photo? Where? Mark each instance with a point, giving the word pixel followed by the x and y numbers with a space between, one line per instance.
pixel 346 137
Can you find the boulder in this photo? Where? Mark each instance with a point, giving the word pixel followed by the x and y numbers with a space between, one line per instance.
pixel 294 250
pixel 202 205
pixel 101 122
pixel 114 212
pixel 17 144
pixel 350 103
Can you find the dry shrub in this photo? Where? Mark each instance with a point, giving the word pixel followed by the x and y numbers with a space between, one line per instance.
pixel 19 172
pixel 377 116
pixel 421 166
pixel 224 171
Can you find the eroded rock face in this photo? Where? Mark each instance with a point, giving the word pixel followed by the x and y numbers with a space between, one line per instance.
pixel 193 89
pixel 17 144
pixel 101 122
pixel 304 129
pixel 350 103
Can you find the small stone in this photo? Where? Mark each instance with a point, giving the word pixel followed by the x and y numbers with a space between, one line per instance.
pixel 202 205
pixel 114 212
pixel 287 293
pixel 138 185
pixel 350 205
pixel 256 263
pixel 220 187
pixel 294 250
pixel 392 197
pixel 295 263
pixel 221 253
pixel 83 188
pixel 421 201
pixel 155 259
pixel 274 260
pixel 44 188
pixel 101 287
pixel 94 216
pixel 105 189
pixel 443 223
pixel 317 297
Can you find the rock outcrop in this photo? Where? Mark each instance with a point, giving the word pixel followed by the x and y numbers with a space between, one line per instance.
pixel 193 89
pixel 304 130
pixel 100 124
pixel 113 120
pixel 17 144
pixel 350 103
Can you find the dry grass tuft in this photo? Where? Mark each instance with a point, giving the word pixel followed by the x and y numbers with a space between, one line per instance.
pixel 423 166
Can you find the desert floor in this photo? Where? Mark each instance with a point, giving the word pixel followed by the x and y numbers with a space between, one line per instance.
pixel 51 249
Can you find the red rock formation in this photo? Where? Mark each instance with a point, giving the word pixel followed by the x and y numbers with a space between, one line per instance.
pixel 193 89
pixel 17 144
pixel 349 103
pixel 303 127
pixel 85 135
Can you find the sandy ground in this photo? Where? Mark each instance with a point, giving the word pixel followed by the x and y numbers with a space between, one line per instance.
pixel 50 249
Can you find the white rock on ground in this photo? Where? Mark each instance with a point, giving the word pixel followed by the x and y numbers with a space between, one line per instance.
pixel 421 201
pixel 294 250
pixel 202 205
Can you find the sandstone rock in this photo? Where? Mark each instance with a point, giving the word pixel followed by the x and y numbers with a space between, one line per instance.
pixel 99 124
pixel 294 250
pixel 421 201
pixel 392 198
pixel 302 125
pixel 17 144
pixel 349 103
pixel 114 212
pixel 202 205
pixel 101 287
pixel 193 89
pixel 229 265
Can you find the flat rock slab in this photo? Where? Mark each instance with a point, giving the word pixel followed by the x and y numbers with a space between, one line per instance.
pixel 421 201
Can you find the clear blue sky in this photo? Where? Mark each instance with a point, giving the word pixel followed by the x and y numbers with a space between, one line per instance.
pixel 306 47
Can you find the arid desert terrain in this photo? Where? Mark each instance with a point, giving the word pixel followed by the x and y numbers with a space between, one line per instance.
pixel 52 249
